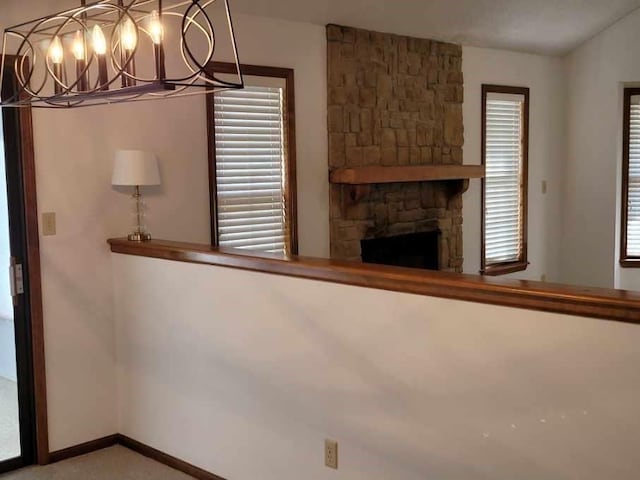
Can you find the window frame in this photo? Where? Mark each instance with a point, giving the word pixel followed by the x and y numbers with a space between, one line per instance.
pixel 626 261
pixel 290 177
pixel 522 263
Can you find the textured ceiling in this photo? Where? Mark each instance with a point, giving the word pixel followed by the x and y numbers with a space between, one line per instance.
pixel 551 27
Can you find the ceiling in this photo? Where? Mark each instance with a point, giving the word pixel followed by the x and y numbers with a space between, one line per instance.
pixel 550 27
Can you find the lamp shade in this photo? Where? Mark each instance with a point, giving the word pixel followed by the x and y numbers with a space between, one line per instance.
pixel 135 168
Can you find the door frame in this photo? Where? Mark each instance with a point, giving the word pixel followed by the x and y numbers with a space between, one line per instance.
pixel 33 304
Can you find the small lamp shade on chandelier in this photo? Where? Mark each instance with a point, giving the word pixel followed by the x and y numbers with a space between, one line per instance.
pixel 136 168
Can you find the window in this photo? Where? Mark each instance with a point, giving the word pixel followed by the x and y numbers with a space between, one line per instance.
pixel 630 232
pixel 252 167
pixel 505 145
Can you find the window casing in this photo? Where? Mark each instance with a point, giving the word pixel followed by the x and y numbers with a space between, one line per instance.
pixel 505 152
pixel 630 231
pixel 252 161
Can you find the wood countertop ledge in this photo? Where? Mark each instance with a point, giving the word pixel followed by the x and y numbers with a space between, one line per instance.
pixel 617 305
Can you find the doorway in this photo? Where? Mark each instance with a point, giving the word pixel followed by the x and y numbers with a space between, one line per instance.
pixel 9 411
pixel 23 431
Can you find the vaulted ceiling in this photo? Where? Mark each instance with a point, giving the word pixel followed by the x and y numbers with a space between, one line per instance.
pixel 551 27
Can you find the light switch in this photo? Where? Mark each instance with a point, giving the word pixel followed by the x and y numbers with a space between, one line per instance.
pixel 48 223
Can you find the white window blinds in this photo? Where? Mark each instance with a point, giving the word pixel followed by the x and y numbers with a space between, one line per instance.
pixel 503 183
pixel 633 206
pixel 249 140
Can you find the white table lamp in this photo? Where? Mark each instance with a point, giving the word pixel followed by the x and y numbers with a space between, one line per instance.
pixel 136 168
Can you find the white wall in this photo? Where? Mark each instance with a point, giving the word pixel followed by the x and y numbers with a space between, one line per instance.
pixel 74 151
pixel 545 76
pixel 245 374
pixel 597 72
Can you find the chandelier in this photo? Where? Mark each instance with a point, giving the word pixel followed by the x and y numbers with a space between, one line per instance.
pixel 116 51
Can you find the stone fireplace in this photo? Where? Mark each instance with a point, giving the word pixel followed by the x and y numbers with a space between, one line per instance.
pixel 394 104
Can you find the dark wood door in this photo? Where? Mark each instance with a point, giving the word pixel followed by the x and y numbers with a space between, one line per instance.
pixel 14 209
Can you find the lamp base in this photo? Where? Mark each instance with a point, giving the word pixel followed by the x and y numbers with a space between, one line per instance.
pixel 139 237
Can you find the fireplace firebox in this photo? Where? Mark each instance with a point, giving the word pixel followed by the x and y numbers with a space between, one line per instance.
pixel 415 250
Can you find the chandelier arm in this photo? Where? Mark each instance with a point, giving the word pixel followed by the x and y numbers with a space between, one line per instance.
pixel 211 39
pixel 18 66
pixel 26 86
pixel 233 42
pixel 211 75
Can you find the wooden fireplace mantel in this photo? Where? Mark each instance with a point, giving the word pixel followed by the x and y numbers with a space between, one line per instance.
pixel 360 179
pixel 404 174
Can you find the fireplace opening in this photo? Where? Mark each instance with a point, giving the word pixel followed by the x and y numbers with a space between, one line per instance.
pixel 415 250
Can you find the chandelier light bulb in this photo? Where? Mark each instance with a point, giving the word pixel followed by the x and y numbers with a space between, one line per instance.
pixel 56 52
pixel 155 28
pixel 78 46
pixel 129 35
pixel 99 41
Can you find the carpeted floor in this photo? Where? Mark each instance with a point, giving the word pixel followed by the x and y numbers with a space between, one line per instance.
pixel 9 432
pixel 114 463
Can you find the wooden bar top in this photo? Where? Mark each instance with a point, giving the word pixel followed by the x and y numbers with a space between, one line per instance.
pixel 618 305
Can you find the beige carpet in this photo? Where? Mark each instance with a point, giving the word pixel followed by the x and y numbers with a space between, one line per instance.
pixel 114 463
pixel 9 433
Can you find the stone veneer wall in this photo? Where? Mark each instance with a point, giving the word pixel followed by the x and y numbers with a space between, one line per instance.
pixel 394 100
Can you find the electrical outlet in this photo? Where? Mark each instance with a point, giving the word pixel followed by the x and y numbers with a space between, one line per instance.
pixel 48 223
pixel 543 277
pixel 331 454
pixel 544 187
